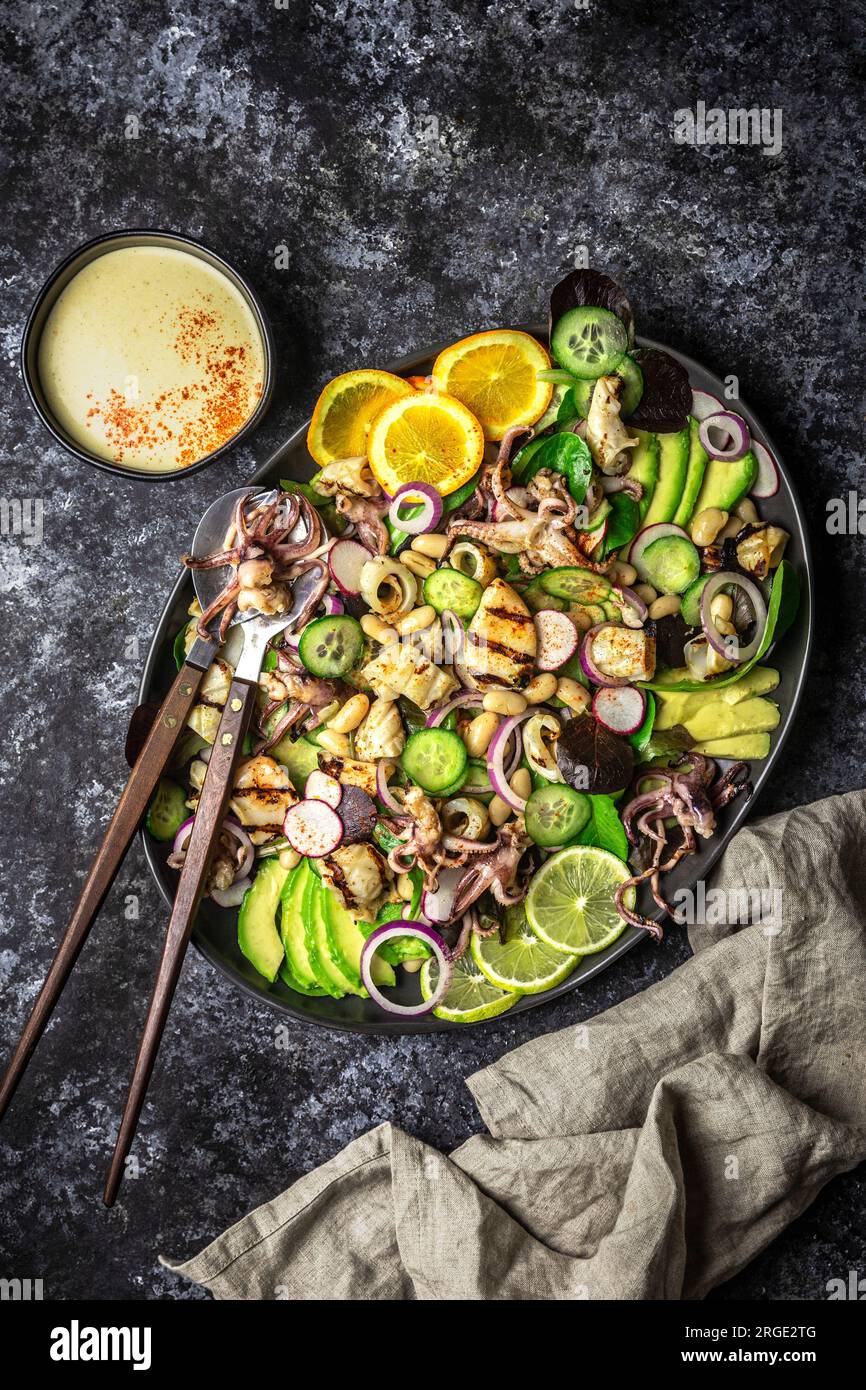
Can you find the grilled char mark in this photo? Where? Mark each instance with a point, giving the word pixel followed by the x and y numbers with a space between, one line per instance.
pixel 508 615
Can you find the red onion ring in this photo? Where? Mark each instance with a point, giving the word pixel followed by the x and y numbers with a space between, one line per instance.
pixel 597 676
pixel 633 601
pixel 453 637
pixel 716 639
pixel 387 932
pixel 466 698
pixel 383 791
pixel 333 605
pixel 414 493
pixel 737 431
pixel 232 896
pixel 495 756
pixel 248 857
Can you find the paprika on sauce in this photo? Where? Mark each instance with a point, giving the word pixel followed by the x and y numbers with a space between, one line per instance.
pixel 151 358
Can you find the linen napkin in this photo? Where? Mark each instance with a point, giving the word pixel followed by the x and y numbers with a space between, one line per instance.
pixel 647 1154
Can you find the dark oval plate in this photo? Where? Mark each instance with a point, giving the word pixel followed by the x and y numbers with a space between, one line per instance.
pixel 215 931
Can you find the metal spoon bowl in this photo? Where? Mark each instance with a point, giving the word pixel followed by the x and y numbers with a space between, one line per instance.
pixel 258 628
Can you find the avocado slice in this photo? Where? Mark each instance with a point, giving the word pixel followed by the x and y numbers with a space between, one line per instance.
pixel 672 470
pixel 697 464
pixel 299 757
pixel 679 707
pixel 346 942
pixel 292 926
pixel 258 937
pixel 294 983
pixel 721 721
pixel 327 971
pixel 726 482
pixel 744 747
pixel 645 468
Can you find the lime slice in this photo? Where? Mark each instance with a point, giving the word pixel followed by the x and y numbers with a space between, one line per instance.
pixel 523 962
pixel 570 900
pixel 471 997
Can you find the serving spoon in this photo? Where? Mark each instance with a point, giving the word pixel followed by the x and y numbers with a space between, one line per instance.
pixel 213 800
pixel 151 762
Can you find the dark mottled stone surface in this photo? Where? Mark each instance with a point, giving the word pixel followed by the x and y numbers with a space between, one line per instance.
pixel 430 170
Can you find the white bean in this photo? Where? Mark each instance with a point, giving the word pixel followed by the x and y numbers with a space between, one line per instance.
pixel 664 606
pixel 351 715
pixel 430 544
pixel 416 621
pixel 573 694
pixel 479 733
pixel 540 688
pixel 504 702
pixel 707 525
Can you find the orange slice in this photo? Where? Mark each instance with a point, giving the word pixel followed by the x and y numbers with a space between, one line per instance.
pixel 495 375
pixel 425 438
pixel 346 409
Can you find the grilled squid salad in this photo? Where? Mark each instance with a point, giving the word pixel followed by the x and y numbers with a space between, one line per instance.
pixel 528 679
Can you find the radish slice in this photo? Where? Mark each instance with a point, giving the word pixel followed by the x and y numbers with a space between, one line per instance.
pixel 438 906
pixel 322 787
pixel 767 481
pixel 346 559
pixel 621 710
pixel 388 932
pixel 647 536
pixel 313 828
pixel 703 405
pixel 557 639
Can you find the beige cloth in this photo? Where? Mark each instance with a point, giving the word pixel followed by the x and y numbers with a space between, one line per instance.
pixel 650 1153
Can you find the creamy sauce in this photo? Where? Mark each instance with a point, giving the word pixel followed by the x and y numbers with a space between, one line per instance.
pixel 151 358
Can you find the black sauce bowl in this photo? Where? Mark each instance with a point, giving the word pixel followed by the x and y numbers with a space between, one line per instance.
pixel 54 287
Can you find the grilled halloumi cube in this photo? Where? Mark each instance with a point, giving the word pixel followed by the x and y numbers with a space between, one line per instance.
pixel 626 652
pixel 359 874
pixel 501 642
pixel 262 795
pixel 403 668
pixel 351 770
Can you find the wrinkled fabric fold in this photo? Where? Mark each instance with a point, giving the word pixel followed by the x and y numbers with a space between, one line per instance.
pixel 648 1153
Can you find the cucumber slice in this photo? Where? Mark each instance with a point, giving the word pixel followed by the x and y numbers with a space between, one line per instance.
pixel 535 597
pixel 574 584
pixel 476 781
pixel 167 811
pixel 691 604
pixel 556 813
pixel 435 759
pixel 631 375
pixel 450 588
pixel 672 564
pixel 589 341
pixel 523 457
pixel 331 647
